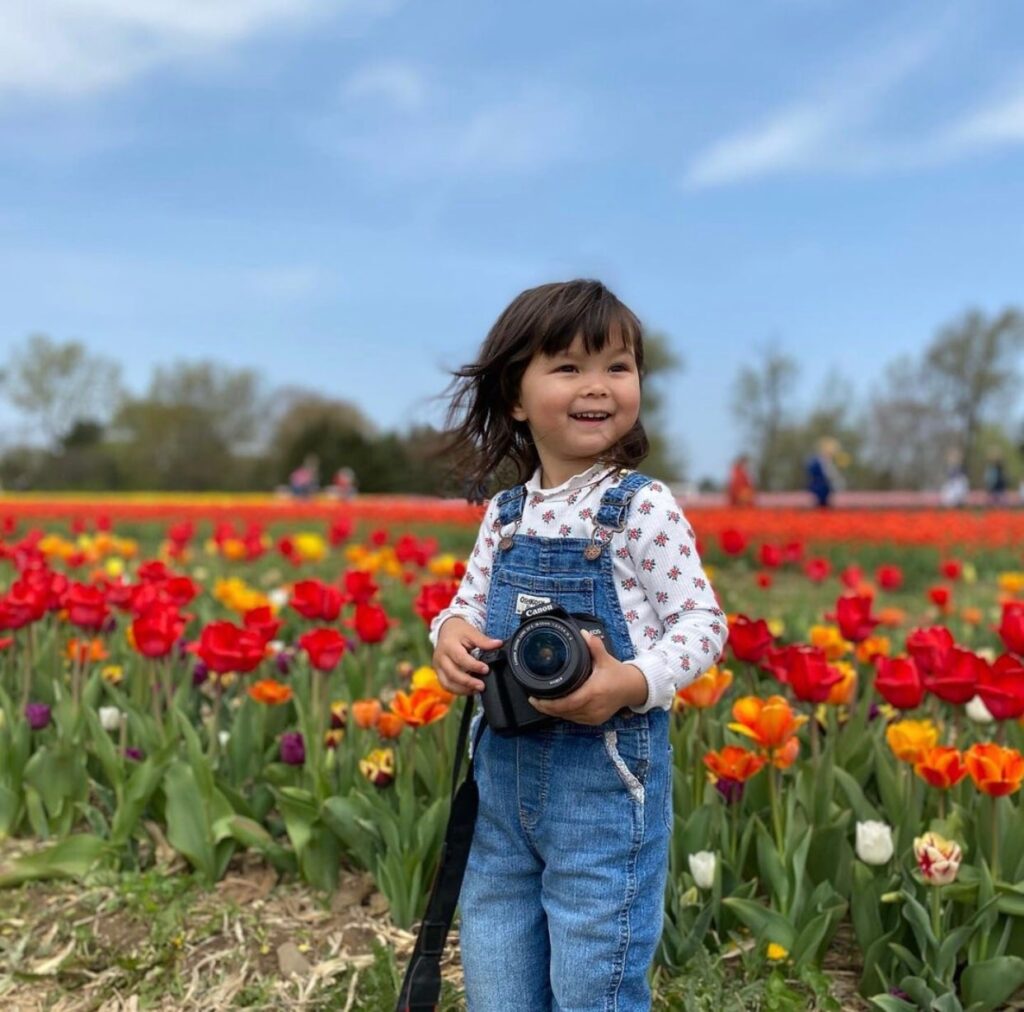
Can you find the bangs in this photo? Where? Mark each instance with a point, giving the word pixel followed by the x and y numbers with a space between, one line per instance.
pixel 589 311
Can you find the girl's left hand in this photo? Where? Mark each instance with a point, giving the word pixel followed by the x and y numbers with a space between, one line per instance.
pixel 611 686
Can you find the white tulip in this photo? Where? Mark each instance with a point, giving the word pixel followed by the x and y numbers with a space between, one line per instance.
pixel 702 868
pixel 110 718
pixel 977 711
pixel 279 597
pixel 223 737
pixel 874 842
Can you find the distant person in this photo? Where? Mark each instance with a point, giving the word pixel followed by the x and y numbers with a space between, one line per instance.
pixel 304 481
pixel 823 475
pixel 741 486
pixel 344 484
pixel 995 478
pixel 955 485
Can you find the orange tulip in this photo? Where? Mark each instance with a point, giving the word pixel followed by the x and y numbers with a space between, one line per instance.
pixel 941 766
pixel 784 756
pixel 706 690
pixel 844 691
pixel 366 712
pixel 891 616
pixel 995 770
pixel 390 725
pixel 270 692
pixel 909 738
pixel 84 651
pixel 872 647
pixel 421 706
pixel 733 763
pixel 770 722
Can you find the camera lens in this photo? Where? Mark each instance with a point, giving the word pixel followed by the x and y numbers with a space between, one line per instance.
pixel 544 652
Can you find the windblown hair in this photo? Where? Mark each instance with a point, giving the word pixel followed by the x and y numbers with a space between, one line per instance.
pixel 485 444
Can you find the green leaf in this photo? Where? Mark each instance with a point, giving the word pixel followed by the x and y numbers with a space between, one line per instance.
pixel 890 1003
pixel 252 835
pixel 987 985
pixel 188 823
pixel 767 925
pixel 71 858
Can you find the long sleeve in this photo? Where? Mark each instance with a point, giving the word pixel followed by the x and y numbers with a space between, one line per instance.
pixel 663 552
pixel 470 600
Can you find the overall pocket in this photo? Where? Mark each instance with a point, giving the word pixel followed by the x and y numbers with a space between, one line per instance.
pixel 512 593
pixel 630 754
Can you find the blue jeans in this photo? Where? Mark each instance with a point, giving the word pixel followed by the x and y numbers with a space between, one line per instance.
pixel 563 898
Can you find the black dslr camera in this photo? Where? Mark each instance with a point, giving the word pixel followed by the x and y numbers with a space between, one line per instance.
pixel 546 657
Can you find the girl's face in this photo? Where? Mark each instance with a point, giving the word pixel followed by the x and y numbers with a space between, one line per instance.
pixel 578 405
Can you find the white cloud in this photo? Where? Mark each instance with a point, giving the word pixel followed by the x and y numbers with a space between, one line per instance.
pixel 518 134
pixel 398 85
pixel 831 131
pixel 69 48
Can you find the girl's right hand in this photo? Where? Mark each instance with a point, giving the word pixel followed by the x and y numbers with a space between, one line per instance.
pixel 453 662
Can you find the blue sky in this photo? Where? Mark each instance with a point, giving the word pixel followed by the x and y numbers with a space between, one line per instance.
pixel 346 194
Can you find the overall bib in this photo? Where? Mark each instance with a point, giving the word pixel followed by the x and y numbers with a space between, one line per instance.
pixel 563 897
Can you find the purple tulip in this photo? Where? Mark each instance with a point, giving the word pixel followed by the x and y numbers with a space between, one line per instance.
pixel 200 673
pixel 284 661
pixel 731 790
pixel 37 715
pixel 133 753
pixel 293 748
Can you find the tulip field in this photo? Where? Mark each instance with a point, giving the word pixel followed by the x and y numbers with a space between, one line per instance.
pixel 196 689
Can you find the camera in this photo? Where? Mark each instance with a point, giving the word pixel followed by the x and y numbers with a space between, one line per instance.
pixel 546 657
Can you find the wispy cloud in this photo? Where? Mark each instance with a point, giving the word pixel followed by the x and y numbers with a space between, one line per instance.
pixel 834 130
pixel 70 48
pixel 427 130
pixel 398 86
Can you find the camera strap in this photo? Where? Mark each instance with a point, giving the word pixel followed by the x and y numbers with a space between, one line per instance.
pixel 421 988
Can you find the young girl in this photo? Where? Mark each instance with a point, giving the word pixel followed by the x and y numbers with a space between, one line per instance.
pixel 562 901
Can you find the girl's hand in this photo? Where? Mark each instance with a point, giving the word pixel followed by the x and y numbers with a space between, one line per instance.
pixel 454 663
pixel 611 686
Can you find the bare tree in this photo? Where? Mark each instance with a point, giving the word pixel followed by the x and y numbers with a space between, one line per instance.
pixel 59 384
pixel 762 396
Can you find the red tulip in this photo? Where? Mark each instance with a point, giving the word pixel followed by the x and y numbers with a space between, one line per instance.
pixel 749 638
pixel 155 633
pixel 889 577
pixel 316 600
pixel 733 542
pixel 324 647
pixel 359 586
pixel 434 598
pixel 817 570
pixel 898 681
pixel 371 623
pixel 956 682
pixel 770 556
pixel 939 595
pixel 1011 628
pixel 262 622
pixel 853 615
pixel 930 648
pixel 86 606
pixel 225 647
pixel 808 673
pixel 1001 687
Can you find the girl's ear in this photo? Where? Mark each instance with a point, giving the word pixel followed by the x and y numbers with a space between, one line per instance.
pixel 518 413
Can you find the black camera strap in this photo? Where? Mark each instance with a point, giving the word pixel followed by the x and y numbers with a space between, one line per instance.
pixel 421 988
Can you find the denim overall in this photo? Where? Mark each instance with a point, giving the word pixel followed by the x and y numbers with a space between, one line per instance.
pixel 563 897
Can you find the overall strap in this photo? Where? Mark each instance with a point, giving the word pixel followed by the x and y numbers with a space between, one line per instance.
pixel 615 501
pixel 421 988
pixel 510 504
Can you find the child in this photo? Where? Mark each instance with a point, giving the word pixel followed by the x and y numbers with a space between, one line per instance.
pixel 563 895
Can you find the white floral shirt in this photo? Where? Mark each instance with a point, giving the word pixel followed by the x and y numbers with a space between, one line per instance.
pixel 676 626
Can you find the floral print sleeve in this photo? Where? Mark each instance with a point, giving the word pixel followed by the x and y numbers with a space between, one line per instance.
pixel 470 600
pixel 690 630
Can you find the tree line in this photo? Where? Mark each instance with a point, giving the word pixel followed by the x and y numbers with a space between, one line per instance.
pixel 207 426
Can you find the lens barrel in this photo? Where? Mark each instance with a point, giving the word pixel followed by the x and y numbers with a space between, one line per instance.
pixel 548 657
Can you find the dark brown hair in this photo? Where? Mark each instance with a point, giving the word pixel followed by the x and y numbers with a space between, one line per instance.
pixel 484 444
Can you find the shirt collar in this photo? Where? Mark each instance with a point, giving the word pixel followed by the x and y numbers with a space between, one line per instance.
pixel 585 478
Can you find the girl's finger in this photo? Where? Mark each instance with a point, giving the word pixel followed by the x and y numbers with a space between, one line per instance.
pixel 470 663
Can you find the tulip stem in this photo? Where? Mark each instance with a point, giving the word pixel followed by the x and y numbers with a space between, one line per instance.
pixel 937 912
pixel 773 795
pixel 995 838
pixel 698 783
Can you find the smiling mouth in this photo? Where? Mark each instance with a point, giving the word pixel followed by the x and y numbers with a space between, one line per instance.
pixel 590 416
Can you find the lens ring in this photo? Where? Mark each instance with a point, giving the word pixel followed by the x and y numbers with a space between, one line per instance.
pixel 548 657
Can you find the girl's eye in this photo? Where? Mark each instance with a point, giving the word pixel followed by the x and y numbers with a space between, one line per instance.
pixel 563 368
pixel 621 367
